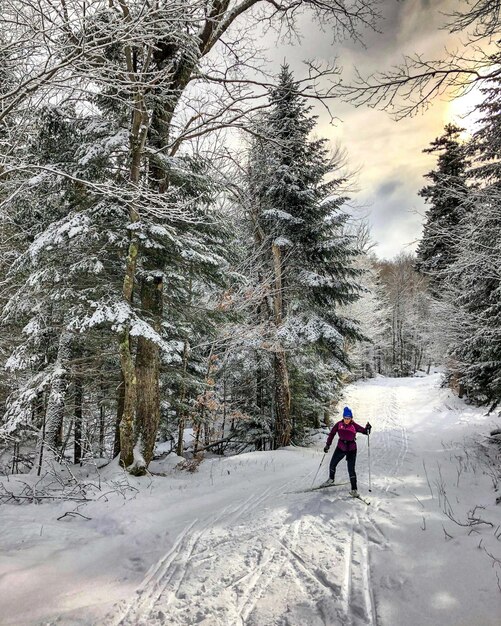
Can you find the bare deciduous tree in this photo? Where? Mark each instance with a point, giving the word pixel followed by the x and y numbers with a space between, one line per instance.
pixel 410 87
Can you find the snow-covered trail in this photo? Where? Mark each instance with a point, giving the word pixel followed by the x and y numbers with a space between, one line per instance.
pixel 234 544
pixel 433 565
pixel 275 558
pixel 282 558
pixel 321 558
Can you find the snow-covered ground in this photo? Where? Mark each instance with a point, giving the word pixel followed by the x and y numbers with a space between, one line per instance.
pixel 233 543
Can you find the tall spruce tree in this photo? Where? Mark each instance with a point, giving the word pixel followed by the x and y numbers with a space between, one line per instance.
pixel 477 271
pixel 307 259
pixel 447 196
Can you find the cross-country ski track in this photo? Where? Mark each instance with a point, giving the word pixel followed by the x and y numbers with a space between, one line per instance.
pixel 234 544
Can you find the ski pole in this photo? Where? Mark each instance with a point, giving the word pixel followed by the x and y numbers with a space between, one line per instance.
pixel 369 453
pixel 318 469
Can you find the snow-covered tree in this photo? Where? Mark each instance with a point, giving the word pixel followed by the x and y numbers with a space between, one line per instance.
pixel 475 279
pixel 403 343
pixel 65 266
pixel 447 195
pixel 306 256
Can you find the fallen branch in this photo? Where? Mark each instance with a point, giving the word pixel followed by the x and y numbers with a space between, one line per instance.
pixel 74 513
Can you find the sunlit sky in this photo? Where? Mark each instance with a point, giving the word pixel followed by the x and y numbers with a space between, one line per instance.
pixel 387 155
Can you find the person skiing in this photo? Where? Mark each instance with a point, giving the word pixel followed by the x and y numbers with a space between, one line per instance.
pixel 346 430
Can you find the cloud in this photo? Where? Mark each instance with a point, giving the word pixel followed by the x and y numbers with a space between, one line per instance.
pixel 388 188
pixel 388 155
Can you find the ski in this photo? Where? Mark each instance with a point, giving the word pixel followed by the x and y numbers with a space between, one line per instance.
pixel 361 498
pixel 319 487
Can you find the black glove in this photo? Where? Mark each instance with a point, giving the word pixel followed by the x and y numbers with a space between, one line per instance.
pixel 326 449
pixel 368 428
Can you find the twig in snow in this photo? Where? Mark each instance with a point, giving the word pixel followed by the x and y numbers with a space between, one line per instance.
pixel 419 501
pixel 74 513
pixel 427 479
pixel 495 560
pixel 447 536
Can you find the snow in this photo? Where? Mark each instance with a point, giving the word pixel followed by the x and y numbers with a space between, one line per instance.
pixel 282 242
pixel 104 146
pixel 233 543
pixel 70 227
pixel 281 215
pixel 312 279
pixel 299 329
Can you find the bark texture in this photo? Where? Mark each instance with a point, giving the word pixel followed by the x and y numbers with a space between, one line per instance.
pixel 147 370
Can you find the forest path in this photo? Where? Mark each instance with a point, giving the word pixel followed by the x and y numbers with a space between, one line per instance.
pixel 282 558
pixel 235 544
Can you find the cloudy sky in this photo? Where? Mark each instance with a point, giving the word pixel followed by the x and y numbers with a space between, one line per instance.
pixel 387 154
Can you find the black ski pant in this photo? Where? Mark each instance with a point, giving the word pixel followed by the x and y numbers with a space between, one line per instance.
pixel 351 457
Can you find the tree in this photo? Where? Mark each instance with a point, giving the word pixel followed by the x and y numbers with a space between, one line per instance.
pixel 447 196
pixel 307 259
pixel 69 240
pixel 408 88
pixel 475 278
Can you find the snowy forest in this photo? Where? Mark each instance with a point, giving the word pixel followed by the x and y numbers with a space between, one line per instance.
pixel 186 279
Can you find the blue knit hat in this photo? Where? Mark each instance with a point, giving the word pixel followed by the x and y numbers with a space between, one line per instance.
pixel 347 412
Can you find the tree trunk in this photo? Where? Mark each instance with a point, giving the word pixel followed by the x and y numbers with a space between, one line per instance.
pixel 186 353
pixel 57 395
pixel 120 411
pixel 197 429
pixel 394 343
pixel 223 427
pixel 39 409
pixel 205 399
pixel 127 437
pixel 77 450
pixel 102 421
pixel 139 130
pixel 283 425
pixel 182 411
pixel 148 374
pixel 54 416
pixel 260 392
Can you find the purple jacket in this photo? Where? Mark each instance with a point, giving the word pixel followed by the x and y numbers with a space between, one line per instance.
pixel 346 434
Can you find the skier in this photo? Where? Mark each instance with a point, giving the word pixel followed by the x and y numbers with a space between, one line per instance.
pixel 346 430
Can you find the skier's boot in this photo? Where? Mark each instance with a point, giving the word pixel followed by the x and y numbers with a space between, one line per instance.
pixel 354 493
pixel 328 482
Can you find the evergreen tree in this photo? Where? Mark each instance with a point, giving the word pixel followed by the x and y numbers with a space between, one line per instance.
pixel 477 272
pixel 306 257
pixel 446 194
pixel 193 258
pixel 65 281
pixel 65 265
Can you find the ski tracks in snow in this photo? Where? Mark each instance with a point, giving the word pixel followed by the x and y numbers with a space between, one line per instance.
pixel 164 585
pixel 389 439
pixel 358 597
pixel 265 571
pixel 258 563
